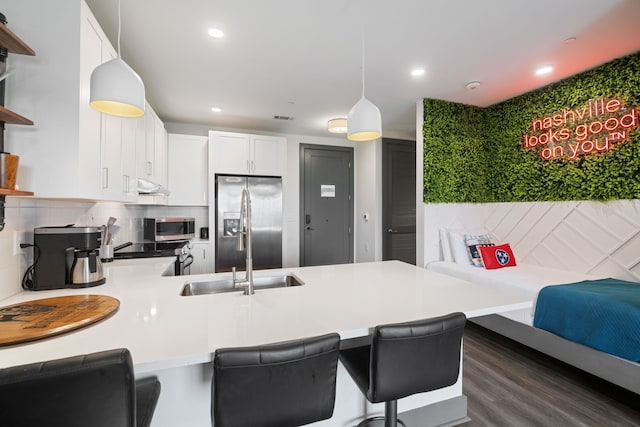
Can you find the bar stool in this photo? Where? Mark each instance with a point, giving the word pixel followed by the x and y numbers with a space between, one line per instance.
pixel 97 390
pixel 405 359
pixel 284 384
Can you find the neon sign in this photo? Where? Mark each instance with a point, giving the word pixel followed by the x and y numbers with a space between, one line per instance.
pixel 572 133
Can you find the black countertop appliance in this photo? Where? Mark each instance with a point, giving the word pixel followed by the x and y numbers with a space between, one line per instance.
pixel 60 250
pixel 181 249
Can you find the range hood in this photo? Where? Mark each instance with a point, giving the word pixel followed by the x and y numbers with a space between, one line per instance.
pixel 147 187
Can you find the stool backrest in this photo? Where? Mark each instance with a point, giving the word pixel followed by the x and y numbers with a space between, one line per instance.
pixel 91 390
pixel 284 384
pixel 415 357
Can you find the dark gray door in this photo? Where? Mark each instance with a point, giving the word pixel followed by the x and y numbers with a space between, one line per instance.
pixel 326 205
pixel 399 200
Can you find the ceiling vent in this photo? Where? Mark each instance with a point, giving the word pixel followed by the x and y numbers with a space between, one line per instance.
pixel 283 117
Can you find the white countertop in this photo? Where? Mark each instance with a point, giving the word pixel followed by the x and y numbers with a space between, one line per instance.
pixel 163 329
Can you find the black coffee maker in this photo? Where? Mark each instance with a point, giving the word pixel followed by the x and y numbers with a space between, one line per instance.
pixel 66 257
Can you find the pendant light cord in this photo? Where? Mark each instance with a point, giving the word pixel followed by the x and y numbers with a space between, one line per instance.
pixel 119 27
pixel 362 66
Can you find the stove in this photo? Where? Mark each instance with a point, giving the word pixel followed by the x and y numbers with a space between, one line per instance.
pixel 181 249
pixel 151 250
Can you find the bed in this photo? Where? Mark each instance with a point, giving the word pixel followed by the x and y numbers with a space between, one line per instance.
pixel 529 280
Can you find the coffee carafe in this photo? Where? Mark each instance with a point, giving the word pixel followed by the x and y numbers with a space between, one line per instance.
pixel 86 269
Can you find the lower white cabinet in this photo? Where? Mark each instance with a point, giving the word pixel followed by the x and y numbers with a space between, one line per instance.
pixel 202 258
pixel 188 170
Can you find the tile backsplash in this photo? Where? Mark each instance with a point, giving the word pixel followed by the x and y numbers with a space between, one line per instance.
pixel 24 214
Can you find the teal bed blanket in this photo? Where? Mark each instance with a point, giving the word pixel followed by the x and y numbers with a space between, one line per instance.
pixel 602 314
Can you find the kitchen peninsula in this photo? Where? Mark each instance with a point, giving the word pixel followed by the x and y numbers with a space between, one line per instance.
pixel 174 336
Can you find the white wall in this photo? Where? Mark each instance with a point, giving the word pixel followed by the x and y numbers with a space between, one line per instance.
pixel 368 155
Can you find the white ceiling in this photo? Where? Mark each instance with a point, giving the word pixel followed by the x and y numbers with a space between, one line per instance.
pixel 301 58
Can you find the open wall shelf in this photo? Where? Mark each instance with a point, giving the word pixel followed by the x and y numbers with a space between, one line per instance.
pixel 13 43
pixel 11 118
pixel 5 192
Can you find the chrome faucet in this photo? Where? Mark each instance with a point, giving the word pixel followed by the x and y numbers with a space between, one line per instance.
pixel 243 242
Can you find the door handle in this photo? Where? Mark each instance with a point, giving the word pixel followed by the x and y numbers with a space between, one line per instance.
pixel 391 230
pixel 309 228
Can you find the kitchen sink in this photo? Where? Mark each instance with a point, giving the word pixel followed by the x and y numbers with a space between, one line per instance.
pixel 226 285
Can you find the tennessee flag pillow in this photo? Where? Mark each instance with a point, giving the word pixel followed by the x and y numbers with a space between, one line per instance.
pixel 497 256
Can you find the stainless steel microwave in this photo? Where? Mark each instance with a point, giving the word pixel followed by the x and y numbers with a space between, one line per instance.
pixel 162 229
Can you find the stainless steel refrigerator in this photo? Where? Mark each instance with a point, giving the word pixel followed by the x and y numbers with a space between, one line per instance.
pixel 266 207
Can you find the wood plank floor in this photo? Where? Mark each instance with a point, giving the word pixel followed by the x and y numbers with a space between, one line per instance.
pixel 508 384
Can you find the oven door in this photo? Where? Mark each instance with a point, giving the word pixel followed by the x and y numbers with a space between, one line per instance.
pixel 182 265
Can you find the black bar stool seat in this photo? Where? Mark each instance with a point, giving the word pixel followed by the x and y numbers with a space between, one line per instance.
pixel 291 383
pixel 97 390
pixel 406 358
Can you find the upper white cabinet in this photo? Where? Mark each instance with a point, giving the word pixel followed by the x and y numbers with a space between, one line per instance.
pixel 246 154
pixel 74 151
pixel 151 142
pixel 151 154
pixel 267 155
pixel 128 159
pixel 188 169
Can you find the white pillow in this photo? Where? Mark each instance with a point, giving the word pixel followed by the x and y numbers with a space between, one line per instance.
pixel 458 247
pixel 473 243
pixel 445 247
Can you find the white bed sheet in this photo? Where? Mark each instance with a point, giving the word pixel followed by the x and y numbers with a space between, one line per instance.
pixel 523 280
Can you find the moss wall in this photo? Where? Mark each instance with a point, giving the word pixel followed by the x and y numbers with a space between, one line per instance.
pixel 477 155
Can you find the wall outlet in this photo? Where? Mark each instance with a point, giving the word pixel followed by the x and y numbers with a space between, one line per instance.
pixel 21 237
pixel 17 236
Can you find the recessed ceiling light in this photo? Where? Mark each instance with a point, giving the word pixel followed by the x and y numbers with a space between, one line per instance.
pixel 570 40
pixel 473 85
pixel 216 33
pixel 216 109
pixel 417 72
pixel 545 69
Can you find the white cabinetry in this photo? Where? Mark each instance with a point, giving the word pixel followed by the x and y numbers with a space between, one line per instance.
pixel 188 169
pixel 74 151
pixel 151 153
pixel 128 159
pixel 202 259
pixel 246 154
pixel 267 155
pixel 160 151
pixel 152 146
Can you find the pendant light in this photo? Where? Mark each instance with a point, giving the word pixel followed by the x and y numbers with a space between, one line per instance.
pixel 364 119
pixel 115 88
pixel 338 125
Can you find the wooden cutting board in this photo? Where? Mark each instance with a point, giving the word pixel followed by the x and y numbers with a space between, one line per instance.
pixel 42 318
